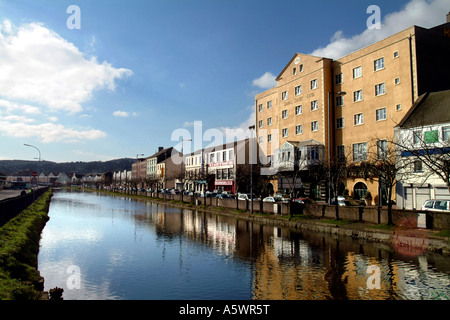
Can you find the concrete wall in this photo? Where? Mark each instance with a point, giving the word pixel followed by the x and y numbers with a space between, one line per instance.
pixel 370 214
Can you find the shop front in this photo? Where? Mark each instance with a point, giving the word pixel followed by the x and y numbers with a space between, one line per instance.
pixel 225 185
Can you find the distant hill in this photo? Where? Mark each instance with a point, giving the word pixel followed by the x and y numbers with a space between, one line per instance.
pixel 10 167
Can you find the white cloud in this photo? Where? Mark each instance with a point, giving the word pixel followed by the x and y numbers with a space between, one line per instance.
pixel 22 127
pixel 42 73
pixel 12 107
pixel 123 114
pixel 40 67
pixel 417 12
pixel 119 113
pixel 239 132
pixel 266 81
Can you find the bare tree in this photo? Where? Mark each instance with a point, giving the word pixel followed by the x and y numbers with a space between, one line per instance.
pixel 426 151
pixel 333 172
pixel 383 166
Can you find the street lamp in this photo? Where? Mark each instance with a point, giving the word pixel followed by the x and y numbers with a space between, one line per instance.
pixel 39 164
pixel 183 165
pixel 251 166
pixel 340 93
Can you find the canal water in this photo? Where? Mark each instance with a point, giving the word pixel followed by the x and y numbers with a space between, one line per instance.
pixel 97 246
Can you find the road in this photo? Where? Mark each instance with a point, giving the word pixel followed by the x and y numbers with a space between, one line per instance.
pixel 5 194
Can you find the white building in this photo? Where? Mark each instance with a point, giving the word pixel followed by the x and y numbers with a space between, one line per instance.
pixel 423 151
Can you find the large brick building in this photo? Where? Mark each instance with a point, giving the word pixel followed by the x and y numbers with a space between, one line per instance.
pixel 350 105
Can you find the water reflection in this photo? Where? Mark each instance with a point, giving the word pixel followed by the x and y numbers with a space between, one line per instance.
pixel 128 249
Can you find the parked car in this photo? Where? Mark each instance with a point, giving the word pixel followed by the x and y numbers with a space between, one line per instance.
pixel 340 201
pixel 271 199
pixel 282 199
pixel 224 196
pixel 247 196
pixel 303 200
pixel 436 205
pixel 210 194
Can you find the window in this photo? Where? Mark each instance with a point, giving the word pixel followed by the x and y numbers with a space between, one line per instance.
pixel 298 110
pixel 284 114
pixel 269 138
pixel 382 149
pixel 340 152
pixel 298 90
pixel 357 72
pixel 294 71
pixel 381 114
pixel 380 89
pixel 211 158
pixel 269 121
pixel 357 95
pixel 260 107
pixel 313 84
pixel 269 104
pixel 301 68
pixel 418 166
pixel 224 156
pixel 379 64
pixel 230 155
pixel 339 78
pixel 313 153
pixel 446 133
pixel 284 95
pixel 315 126
pixel 230 174
pixel 260 123
pixel 398 107
pixel 339 101
pixel 359 119
pixel 314 105
pixel 395 54
pixel 360 151
pixel 339 123
pixel 299 129
pixel 417 137
pixel 397 81
pixel 431 136
pixel 285 132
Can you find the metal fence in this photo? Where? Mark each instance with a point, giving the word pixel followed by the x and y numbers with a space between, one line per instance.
pixel 9 208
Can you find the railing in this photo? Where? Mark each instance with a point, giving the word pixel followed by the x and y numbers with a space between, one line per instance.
pixel 9 208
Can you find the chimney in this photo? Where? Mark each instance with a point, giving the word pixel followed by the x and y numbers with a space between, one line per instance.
pixel 160 148
pixel 448 17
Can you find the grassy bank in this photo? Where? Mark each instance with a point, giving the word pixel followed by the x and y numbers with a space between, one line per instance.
pixel 19 247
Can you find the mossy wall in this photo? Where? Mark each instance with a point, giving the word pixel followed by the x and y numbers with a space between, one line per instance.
pixel 19 248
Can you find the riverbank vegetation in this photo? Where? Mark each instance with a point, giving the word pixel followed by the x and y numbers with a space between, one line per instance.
pixel 19 247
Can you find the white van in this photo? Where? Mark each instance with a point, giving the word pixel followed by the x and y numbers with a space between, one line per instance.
pixel 436 205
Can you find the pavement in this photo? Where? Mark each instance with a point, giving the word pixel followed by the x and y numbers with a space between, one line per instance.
pixel 8 193
pixel 5 194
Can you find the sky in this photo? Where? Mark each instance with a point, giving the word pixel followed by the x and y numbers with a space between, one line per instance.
pixel 89 80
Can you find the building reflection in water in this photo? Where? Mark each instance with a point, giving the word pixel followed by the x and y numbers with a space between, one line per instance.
pixel 294 265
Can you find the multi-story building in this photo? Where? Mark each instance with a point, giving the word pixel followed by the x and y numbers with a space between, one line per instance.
pixel 196 179
pixel 219 168
pixel 350 105
pixel 423 142
pixel 152 161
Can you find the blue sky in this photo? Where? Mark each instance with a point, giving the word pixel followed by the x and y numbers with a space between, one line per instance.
pixel 136 71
